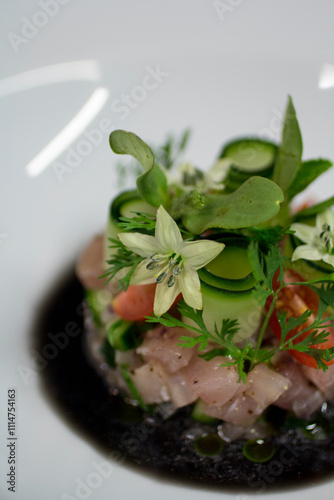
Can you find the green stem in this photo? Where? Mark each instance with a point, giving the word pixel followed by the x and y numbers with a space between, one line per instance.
pixel 313 282
pixel 263 328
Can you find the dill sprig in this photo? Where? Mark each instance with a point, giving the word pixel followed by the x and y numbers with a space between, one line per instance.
pixel 141 221
pixel 121 260
pixel 169 152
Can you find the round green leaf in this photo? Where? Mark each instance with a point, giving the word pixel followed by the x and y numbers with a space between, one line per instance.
pixel 254 202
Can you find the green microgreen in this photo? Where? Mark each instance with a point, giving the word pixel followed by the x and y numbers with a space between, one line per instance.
pixel 268 268
pixel 121 259
pixel 267 236
pixel 140 221
pixel 169 152
pixel 223 337
pixel 242 210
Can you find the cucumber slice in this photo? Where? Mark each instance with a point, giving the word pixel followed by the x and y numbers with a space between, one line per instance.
pixel 97 301
pixel 123 335
pixel 108 352
pixel 123 206
pixel 250 156
pixel 128 202
pixel 132 388
pixel 198 414
pixel 219 304
pixel 231 270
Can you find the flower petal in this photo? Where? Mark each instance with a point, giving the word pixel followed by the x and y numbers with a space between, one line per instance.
pixel 308 252
pixel 142 275
pixel 141 244
pixel 167 233
pixel 329 259
pixel 164 297
pixel 326 217
pixel 199 253
pixel 191 288
pixel 305 233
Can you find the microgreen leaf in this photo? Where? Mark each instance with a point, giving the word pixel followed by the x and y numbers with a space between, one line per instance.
pixel 308 171
pixel 290 151
pixel 242 208
pixel 152 185
pixel 314 209
pixel 127 143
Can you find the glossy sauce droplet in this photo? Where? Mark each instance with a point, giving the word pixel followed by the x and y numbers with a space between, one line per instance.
pixel 317 430
pixel 258 450
pixel 209 445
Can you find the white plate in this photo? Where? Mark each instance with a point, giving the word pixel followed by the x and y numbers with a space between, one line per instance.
pixel 183 65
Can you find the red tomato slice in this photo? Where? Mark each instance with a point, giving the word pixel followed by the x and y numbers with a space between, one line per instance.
pixel 136 303
pixel 295 300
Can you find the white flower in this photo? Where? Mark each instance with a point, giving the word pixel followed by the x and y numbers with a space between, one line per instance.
pixel 171 262
pixel 319 239
pixel 190 176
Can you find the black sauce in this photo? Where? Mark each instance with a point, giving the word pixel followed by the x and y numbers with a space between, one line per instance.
pixel 209 445
pixel 258 450
pixel 162 448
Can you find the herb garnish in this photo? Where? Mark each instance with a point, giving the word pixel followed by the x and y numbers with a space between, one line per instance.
pixel 140 220
pixel 266 268
pixel 264 219
pixel 223 337
pixel 121 259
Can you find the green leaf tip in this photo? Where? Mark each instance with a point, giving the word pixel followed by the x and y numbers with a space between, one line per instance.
pixel 152 185
pixel 290 151
pixel 127 143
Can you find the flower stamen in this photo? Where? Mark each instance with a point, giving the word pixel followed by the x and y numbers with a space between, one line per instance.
pixel 152 265
pixel 325 236
pixel 171 281
pixel 177 270
pixel 157 257
pixel 161 277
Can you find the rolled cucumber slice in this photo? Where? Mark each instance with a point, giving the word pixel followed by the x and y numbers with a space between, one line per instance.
pixel 250 156
pixel 198 414
pixel 227 283
pixel 97 301
pixel 231 270
pixel 123 335
pixel 219 304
